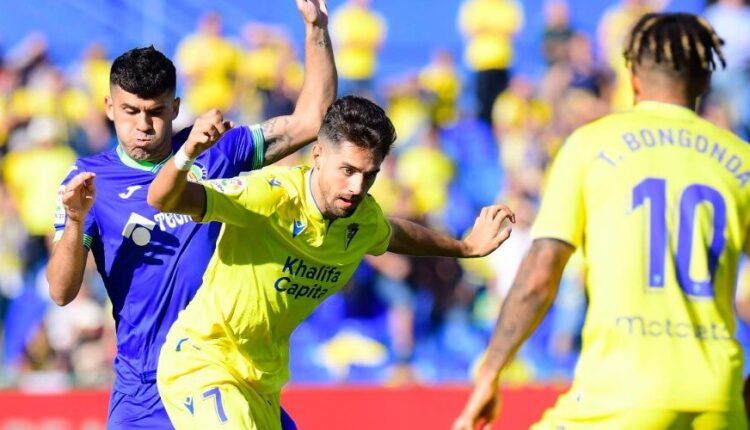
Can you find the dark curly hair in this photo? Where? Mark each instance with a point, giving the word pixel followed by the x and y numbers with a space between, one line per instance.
pixel 144 72
pixel 681 45
pixel 359 121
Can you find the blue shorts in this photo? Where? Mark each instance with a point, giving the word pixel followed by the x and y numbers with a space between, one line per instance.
pixel 144 410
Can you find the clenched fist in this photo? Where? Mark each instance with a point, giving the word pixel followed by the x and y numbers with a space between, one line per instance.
pixel 207 130
pixel 314 12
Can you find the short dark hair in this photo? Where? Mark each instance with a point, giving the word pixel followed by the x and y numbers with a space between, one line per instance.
pixel 361 122
pixel 683 45
pixel 144 72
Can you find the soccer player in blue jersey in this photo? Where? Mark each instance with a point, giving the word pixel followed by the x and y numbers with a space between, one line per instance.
pixel 152 262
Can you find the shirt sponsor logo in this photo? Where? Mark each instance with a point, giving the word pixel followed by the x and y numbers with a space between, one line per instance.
pixel 636 325
pixel 170 220
pixel 298 268
pixel 138 228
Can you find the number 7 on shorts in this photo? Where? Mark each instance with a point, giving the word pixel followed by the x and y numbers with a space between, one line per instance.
pixel 216 394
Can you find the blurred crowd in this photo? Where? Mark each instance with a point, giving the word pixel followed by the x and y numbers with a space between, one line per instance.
pixel 401 319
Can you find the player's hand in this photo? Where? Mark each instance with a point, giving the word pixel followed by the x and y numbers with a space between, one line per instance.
pixel 314 12
pixel 488 232
pixel 207 130
pixel 79 196
pixel 482 407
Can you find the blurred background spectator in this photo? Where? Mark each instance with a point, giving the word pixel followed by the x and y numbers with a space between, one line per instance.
pixel 470 133
pixel 732 17
pixel 489 27
pixel 358 33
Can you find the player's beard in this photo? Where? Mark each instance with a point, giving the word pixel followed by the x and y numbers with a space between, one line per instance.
pixel 338 211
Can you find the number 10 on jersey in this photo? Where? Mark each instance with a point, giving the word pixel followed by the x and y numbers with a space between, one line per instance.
pixel 655 191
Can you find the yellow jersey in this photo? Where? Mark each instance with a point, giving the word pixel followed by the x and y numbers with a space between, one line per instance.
pixel 276 260
pixel 658 200
pixel 358 33
pixel 33 193
pixel 489 26
pixel 210 63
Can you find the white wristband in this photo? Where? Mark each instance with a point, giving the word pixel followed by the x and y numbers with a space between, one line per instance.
pixel 182 161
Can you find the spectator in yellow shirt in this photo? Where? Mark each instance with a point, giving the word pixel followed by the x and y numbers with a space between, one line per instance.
pixel 269 70
pixel 33 176
pixel 440 81
pixel 489 27
pixel 208 63
pixel 95 74
pixel 614 26
pixel 358 34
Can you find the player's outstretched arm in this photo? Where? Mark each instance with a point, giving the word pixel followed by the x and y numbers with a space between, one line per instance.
pixel 531 295
pixel 68 258
pixel 286 134
pixel 170 191
pixel 486 236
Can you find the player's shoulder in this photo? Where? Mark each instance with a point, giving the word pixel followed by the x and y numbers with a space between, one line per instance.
pixel 726 137
pixel 290 178
pixel 369 211
pixel 605 124
pixel 600 130
pixel 279 182
pixel 179 138
pixel 99 163
pixel 100 160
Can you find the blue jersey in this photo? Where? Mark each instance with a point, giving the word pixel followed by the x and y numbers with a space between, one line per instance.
pixel 151 262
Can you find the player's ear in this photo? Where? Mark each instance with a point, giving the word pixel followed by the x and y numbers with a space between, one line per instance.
pixel 635 83
pixel 109 107
pixel 175 108
pixel 317 152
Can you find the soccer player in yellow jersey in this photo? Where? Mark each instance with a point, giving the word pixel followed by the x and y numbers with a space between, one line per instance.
pixel 658 200
pixel 292 237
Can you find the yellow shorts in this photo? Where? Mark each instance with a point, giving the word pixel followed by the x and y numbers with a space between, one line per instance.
pixel 643 419
pixel 199 393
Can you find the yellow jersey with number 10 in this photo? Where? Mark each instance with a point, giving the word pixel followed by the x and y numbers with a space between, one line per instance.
pixel 659 201
pixel 276 260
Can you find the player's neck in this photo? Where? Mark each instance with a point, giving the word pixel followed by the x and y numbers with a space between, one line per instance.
pixel 155 160
pixel 664 97
pixel 317 195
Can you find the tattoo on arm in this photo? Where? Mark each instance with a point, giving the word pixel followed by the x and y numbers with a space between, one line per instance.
pixel 278 139
pixel 531 295
pixel 323 41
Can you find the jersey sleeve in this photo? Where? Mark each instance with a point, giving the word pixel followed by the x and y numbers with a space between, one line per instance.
pixel 241 200
pixel 383 231
pixel 90 230
pixel 561 215
pixel 244 146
